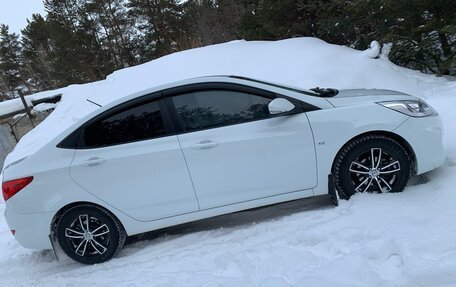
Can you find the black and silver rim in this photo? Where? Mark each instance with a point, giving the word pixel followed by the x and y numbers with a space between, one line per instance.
pixel 88 236
pixel 374 171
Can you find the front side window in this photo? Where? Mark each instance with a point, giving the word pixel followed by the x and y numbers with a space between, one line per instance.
pixel 215 108
pixel 139 122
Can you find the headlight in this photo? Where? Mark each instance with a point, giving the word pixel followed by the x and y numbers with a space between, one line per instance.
pixel 417 109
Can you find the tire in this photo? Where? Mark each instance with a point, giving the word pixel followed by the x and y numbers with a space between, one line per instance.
pixel 354 171
pixel 105 236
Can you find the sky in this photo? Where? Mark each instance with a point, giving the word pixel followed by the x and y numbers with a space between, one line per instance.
pixel 15 12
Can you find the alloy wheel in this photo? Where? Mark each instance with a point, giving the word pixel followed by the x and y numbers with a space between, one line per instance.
pixel 374 170
pixel 88 236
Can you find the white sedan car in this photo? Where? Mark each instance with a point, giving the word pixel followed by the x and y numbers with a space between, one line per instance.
pixel 210 146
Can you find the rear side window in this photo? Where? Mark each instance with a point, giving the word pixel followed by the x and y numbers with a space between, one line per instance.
pixel 140 122
pixel 216 108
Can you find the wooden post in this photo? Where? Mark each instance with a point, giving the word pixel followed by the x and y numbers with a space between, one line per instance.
pixel 26 107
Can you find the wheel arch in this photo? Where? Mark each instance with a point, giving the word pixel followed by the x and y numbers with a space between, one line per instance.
pixel 63 209
pixel 405 144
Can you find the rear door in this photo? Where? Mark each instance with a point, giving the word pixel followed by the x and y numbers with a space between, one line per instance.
pixel 132 161
pixel 236 151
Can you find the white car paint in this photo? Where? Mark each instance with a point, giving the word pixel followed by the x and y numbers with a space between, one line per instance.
pixel 143 176
pixel 172 181
pixel 252 160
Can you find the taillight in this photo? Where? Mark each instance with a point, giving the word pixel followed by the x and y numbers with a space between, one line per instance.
pixel 12 187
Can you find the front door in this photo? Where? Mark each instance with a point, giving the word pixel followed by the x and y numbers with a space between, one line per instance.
pixel 236 151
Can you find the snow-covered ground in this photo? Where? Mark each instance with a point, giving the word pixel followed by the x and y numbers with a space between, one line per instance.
pixel 406 239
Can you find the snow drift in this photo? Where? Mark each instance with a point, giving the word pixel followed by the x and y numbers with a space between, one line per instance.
pixel 405 239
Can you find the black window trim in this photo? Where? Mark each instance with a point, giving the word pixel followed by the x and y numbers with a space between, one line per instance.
pixel 76 139
pixel 300 107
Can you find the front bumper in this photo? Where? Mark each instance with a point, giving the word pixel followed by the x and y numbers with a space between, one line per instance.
pixel 425 137
pixel 32 229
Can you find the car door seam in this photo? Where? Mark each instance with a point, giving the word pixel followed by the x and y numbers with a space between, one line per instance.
pixel 315 151
pixel 189 173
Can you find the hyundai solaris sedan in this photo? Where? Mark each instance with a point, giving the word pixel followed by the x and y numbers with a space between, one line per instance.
pixel 208 146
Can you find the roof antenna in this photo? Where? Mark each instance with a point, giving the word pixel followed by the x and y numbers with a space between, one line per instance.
pixel 93 103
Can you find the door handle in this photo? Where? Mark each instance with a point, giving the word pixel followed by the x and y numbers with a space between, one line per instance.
pixel 94 161
pixel 205 144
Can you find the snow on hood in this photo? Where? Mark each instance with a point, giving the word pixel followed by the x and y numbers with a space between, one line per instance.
pixel 302 62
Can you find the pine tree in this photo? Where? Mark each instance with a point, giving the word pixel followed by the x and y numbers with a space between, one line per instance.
pixel 10 64
pixel 76 53
pixel 425 37
pixel 37 53
pixel 158 22
pixel 423 34
pixel 250 26
pixel 114 28
pixel 201 23
pixel 208 22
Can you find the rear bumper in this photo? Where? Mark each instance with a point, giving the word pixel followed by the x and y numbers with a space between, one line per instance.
pixel 425 137
pixel 32 230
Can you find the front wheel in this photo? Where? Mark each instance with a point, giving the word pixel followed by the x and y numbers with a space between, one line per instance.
pixel 89 234
pixel 372 163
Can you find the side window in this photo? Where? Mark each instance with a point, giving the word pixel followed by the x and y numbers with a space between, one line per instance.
pixel 215 108
pixel 139 122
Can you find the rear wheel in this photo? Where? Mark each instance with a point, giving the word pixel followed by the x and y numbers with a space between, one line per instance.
pixel 371 163
pixel 89 234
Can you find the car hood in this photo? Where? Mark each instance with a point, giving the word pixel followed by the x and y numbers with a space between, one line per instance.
pixel 360 96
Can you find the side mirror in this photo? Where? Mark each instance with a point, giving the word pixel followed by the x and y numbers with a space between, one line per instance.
pixel 280 106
